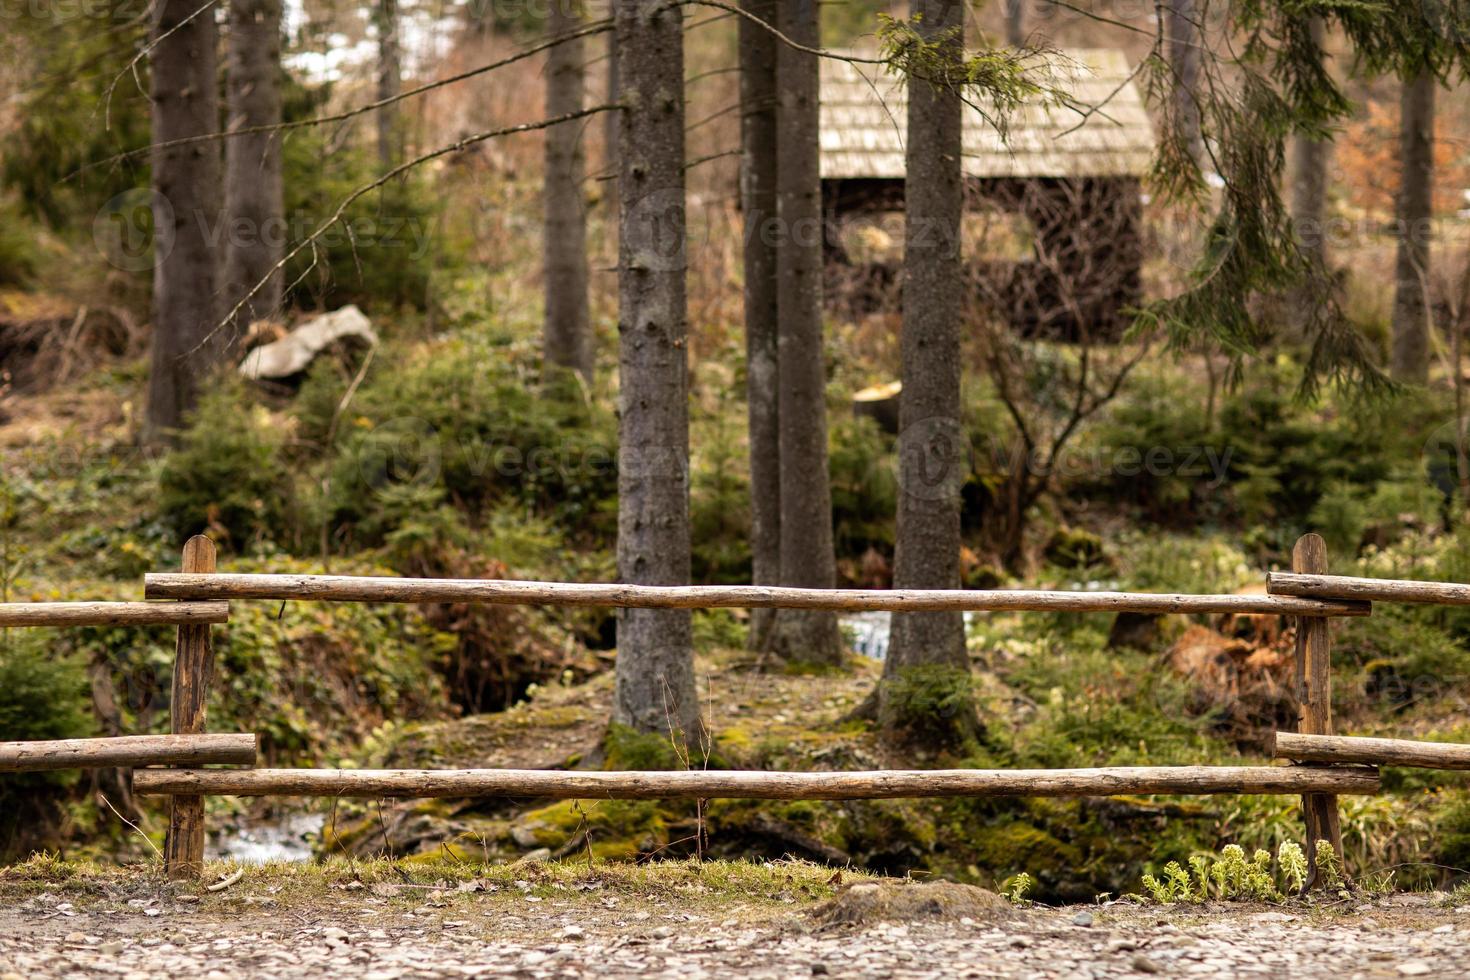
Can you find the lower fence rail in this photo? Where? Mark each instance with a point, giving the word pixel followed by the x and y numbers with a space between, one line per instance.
pixel 746 784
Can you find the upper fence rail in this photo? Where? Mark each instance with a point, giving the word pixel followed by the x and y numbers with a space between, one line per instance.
pixel 352 588
pixel 1353 588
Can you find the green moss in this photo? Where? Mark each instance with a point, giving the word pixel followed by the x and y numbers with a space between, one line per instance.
pixel 619 830
pixel 643 751
pixel 930 706
pixel 1025 847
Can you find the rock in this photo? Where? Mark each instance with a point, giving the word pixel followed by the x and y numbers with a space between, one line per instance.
pixel 539 856
pixel 293 353
pixel 1414 968
pixel 573 932
pixel 902 901
pixel 524 836
pixel 1083 918
pixel 1143 964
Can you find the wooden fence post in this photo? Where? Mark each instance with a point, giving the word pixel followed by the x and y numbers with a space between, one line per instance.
pixel 183 849
pixel 1314 697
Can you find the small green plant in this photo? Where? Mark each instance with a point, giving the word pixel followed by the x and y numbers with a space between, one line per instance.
pixel 1329 867
pixel 1293 864
pixel 1016 887
pixel 1235 877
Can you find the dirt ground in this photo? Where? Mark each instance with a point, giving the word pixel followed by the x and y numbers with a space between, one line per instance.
pixel 783 921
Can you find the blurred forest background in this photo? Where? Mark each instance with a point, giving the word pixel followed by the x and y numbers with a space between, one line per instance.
pixel 1155 458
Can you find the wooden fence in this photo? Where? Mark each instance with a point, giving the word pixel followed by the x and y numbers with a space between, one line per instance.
pixel 196 597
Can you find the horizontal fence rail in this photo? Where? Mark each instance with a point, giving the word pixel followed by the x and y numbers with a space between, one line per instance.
pixel 112 613
pixel 754 785
pixel 129 750
pixel 1374 751
pixel 351 588
pixel 1352 588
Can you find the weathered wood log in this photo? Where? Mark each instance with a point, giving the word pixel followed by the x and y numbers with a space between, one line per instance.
pixel 1353 588
pixel 348 588
pixel 1374 751
pixel 126 751
pixel 111 613
pixel 183 847
pixel 1314 698
pixel 706 784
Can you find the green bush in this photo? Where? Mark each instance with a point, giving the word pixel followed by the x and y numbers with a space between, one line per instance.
pixel 864 485
pixel 379 255
pixel 228 474
pixel 42 696
pixel 461 427
pixel 719 506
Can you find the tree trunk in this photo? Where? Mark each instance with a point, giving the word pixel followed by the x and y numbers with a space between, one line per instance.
pixel 186 213
pixel 389 82
pixel 567 341
pixel 655 667
pixel 1015 12
pixel 926 655
pixel 1415 205
pixel 758 205
pixel 256 229
pixel 807 556
pixel 611 120
pixel 1309 183
pixel 1184 64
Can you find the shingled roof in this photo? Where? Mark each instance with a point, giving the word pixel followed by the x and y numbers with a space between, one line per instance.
pixel 864 117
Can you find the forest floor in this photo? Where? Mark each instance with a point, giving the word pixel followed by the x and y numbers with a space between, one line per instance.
pixel 778 919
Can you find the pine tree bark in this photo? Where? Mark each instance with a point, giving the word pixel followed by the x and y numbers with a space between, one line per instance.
pixel 186 213
pixel 256 228
pixel 807 556
pixel 390 81
pixel 1184 63
pixel 611 120
pixel 1309 182
pixel 758 207
pixel 1415 204
pixel 924 694
pixel 654 690
pixel 567 331
pixel 1015 14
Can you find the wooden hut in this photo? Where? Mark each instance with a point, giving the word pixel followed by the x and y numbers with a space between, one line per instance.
pixel 1052 224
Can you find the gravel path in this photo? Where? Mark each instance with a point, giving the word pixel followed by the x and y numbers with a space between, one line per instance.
pixel 46 936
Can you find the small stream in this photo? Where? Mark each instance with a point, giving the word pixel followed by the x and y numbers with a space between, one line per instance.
pixel 286 837
pixel 868 632
pixel 290 836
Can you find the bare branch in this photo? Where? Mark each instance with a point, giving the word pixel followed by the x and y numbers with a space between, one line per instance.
pixel 372 185
pixel 597 27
